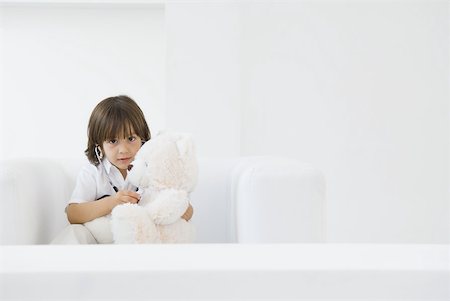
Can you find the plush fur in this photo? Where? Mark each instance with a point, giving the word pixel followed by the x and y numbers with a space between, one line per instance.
pixel 166 169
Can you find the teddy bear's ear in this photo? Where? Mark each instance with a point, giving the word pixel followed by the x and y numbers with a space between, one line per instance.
pixel 185 145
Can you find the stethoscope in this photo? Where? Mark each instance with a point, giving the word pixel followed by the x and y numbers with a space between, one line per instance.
pixel 99 155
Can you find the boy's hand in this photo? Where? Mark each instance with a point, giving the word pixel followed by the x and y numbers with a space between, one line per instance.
pixel 126 196
pixel 188 214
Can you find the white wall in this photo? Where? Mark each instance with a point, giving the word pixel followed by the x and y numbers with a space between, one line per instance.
pixel 361 91
pixel 358 88
pixel 59 61
pixel 203 75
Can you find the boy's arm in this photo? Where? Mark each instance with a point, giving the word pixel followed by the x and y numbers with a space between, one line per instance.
pixel 80 213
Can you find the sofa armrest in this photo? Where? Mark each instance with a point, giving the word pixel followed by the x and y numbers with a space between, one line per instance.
pixel 34 193
pixel 277 200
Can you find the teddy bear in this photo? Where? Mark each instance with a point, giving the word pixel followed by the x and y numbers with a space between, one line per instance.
pixel 165 171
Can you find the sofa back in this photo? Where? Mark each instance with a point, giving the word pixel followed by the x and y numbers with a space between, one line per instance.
pixel 245 200
pixel 34 193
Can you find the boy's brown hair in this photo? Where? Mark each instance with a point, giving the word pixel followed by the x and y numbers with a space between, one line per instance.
pixel 115 117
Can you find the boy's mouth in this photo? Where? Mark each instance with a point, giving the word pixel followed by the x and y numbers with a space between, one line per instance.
pixel 123 160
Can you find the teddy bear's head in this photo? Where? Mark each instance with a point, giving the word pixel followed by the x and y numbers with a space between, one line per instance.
pixel 166 161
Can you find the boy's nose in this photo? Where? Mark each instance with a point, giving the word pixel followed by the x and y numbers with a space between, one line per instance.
pixel 123 148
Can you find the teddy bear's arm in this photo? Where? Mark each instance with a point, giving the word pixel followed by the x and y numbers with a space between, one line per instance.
pixel 168 206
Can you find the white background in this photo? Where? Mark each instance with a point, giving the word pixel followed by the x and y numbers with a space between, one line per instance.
pixel 59 61
pixel 360 89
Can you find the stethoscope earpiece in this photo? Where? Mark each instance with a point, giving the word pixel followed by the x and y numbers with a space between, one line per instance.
pixel 98 152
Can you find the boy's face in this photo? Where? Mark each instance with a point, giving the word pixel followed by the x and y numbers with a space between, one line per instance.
pixel 121 151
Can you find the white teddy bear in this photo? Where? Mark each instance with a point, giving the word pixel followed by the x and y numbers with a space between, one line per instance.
pixel 166 169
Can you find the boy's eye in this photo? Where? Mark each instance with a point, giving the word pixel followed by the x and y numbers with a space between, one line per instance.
pixel 112 141
pixel 132 138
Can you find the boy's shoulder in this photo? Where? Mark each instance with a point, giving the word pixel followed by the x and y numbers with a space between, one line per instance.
pixel 89 169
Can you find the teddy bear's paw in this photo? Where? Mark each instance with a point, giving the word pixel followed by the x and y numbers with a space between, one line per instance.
pixel 168 206
pixel 178 232
pixel 130 223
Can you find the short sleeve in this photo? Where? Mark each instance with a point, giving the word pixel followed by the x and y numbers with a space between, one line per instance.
pixel 86 186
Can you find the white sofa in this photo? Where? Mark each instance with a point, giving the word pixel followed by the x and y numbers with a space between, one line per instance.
pixel 244 200
pixel 253 199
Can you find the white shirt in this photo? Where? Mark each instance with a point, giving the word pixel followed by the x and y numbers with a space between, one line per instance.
pixel 92 182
